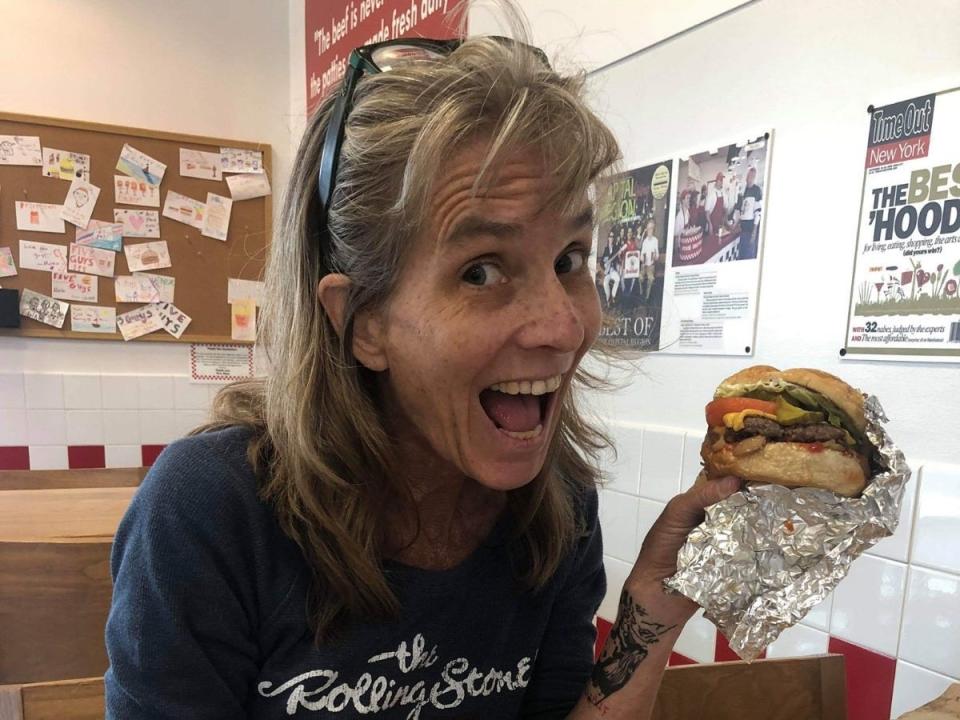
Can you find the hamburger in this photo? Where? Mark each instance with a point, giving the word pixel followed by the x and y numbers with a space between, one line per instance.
pixel 797 428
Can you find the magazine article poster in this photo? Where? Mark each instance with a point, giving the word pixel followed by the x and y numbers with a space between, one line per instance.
pixel 631 253
pixel 712 280
pixel 905 293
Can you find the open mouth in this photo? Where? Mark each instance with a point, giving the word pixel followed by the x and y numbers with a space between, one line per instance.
pixel 519 409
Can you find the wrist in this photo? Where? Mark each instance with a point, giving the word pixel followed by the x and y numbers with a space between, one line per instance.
pixel 665 606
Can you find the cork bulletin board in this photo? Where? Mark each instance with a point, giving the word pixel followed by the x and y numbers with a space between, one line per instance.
pixel 201 265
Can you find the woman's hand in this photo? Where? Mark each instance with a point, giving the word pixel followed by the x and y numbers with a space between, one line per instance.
pixel 658 556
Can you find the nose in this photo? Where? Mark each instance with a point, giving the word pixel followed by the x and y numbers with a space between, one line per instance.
pixel 549 317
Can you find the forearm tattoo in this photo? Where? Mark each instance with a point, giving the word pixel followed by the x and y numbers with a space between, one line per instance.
pixel 624 650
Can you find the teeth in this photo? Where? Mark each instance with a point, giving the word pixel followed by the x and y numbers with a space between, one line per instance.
pixel 529 387
pixel 529 435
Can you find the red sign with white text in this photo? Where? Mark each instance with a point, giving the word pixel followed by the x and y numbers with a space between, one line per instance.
pixel 333 29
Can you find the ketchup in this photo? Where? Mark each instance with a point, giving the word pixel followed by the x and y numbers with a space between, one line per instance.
pixel 815 447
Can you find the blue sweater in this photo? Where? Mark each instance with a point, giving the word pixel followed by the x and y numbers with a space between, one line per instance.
pixel 208 616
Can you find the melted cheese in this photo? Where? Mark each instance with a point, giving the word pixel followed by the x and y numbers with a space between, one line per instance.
pixel 734 420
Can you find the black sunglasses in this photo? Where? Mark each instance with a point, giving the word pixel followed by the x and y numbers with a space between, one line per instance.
pixel 372 59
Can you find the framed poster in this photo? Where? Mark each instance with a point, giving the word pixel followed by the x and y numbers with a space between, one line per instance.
pixel 712 275
pixel 905 290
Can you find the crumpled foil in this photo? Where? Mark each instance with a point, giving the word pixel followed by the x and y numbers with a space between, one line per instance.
pixel 766 555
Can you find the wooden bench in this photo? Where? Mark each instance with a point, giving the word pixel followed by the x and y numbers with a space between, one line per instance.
pixel 54 479
pixel 55 585
pixel 62 700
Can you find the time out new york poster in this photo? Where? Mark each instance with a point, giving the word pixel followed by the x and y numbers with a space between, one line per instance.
pixel 905 296
pixel 631 251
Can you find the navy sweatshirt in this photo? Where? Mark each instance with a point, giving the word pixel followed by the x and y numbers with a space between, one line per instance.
pixel 208 615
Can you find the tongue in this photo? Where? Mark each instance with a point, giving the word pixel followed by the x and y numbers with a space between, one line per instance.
pixel 516 413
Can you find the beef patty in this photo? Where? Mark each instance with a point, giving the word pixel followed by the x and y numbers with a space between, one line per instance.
pixel 814 432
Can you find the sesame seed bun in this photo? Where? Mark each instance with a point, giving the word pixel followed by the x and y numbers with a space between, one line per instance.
pixel 789 464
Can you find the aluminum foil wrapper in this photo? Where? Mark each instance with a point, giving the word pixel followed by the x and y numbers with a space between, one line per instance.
pixel 766 555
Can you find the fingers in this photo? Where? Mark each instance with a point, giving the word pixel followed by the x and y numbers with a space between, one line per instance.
pixel 713 491
pixel 689 506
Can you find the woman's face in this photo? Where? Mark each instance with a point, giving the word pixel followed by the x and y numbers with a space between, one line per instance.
pixel 492 314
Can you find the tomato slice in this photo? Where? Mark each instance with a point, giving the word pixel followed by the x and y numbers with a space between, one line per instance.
pixel 720 407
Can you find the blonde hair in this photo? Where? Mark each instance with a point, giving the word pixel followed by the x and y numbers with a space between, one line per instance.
pixel 323 457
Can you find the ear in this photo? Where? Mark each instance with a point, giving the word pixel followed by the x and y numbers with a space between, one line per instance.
pixel 332 292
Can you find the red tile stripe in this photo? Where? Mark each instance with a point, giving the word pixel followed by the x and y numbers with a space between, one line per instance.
pixel 14 457
pixel 603 631
pixel 17 457
pixel 678 659
pixel 149 453
pixel 86 456
pixel 870 678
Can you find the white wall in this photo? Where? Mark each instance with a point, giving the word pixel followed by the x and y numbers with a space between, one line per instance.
pixel 602 31
pixel 216 68
pixel 808 70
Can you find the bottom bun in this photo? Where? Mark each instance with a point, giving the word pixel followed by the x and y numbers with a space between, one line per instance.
pixel 789 464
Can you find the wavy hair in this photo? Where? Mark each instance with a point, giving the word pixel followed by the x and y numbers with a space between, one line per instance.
pixel 319 445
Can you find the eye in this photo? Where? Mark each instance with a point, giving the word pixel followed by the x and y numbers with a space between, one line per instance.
pixel 485 273
pixel 570 262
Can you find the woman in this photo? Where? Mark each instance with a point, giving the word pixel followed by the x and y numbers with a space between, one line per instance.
pixel 401 521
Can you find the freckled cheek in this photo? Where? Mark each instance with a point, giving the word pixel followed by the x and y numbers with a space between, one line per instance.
pixel 588 304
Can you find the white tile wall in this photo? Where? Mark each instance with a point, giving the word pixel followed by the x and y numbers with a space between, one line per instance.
pixel 617 572
pixel 120 391
pixel 122 456
pixel 156 392
pixel 13 426
pixel 914 686
pixel 931 621
pixel 84 427
pixel 190 396
pixel 625 472
pixel 46 427
pixel 797 641
pixel 157 427
pixel 187 420
pixel 867 604
pixel 819 615
pixel 81 392
pixel 12 394
pixel 48 457
pixel 936 541
pixel 902 598
pixel 692 464
pixel 660 463
pixel 648 512
pixel 43 390
pixel 698 640
pixel 48 412
pixel 121 427
pixel 618 516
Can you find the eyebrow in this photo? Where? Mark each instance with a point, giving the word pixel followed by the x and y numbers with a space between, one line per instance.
pixel 472 226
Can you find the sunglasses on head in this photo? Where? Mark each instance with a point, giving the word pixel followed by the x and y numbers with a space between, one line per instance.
pixel 372 59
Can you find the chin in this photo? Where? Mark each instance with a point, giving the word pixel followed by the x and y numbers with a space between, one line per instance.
pixel 506 476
